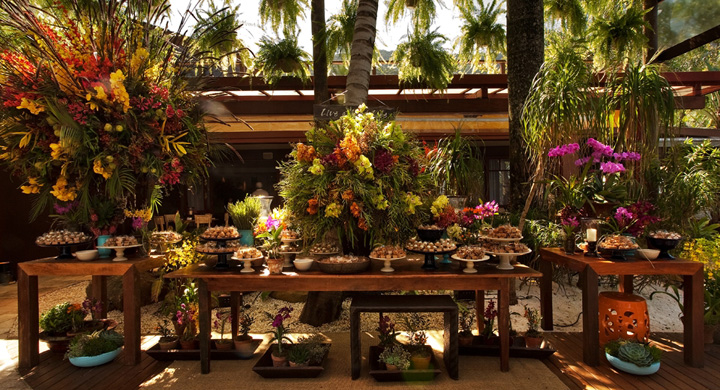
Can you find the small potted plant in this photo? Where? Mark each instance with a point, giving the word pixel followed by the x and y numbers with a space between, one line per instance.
pixel 279 354
pixel 533 337
pixel 56 323
pixel 272 236
pixel 244 342
pixel 395 358
pixel 244 213
pixel 490 314
pixel 420 353
pixel 221 319
pixel 633 357
pixel 167 339
pixel 465 337
pixel 186 316
pixel 94 349
pixel 316 346
pixel 386 333
pixel 299 355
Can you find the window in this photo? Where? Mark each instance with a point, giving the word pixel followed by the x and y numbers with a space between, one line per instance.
pixel 498 180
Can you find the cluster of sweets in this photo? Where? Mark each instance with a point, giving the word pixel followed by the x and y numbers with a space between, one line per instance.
pixel 121 241
pixel 388 252
pixel 347 259
pixel 505 231
pixel 442 245
pixel 324 248
pixel 472 252
pixel 211 247
pixel 665 235
pixel 430 227
pixel 289 235
pixel 62 237
pixel 289 248
pixel 510 247
pixel 220 232
pixel 618 243
pixel 248 253
pixel 165 237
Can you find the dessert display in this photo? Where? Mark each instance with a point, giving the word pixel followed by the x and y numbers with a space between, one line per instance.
pixel 121 241
pixel 323 248
pixel 430 227
pixel 62 237
pixel 248 253
pixel 387 252
pixel 290 248
pixel 165 237
pixel 220 233
pixel 214 248
pixel 664 241
pixel 442 245
pixel 347 264
pixel 506 248
pixel 665 235
pixel 472 252
pixel 347 259
pixel 287 235
pixel 504 232
pixel 617 243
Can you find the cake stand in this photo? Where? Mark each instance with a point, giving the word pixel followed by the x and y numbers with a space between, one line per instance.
pixel 387 267
pixel 222 263
pixel 65 251
pixel 247 264
pixel 119 250
pixel 429 263
pixel 289 258
pixel 470 263
pixel 505 258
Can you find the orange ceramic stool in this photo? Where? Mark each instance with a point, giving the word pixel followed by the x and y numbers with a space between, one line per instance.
pixel 623 316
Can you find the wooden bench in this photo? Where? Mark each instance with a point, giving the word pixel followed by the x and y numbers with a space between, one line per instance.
pixel 407 304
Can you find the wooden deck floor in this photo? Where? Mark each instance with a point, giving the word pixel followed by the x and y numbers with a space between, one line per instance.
pixel 55 374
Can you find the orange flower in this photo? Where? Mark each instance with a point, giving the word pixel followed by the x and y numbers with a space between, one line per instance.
pixel 312 206
pixel 355 209
pixel 305 153
pixel 362 224
pixel 348 195
pixel 341 160
pixel 396 159
pixel 350 147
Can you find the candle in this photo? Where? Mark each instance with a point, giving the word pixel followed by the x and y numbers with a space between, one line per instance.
pixel 592 235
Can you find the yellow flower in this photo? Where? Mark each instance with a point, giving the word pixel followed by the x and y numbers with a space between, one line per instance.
pixel 333 210
pixel 62 192
pixel 317 168
pixel 364 166
pixel 100 92
pixel 57 151
pixel 31 106
pixel 118 89
pixel 100 170
pixel 145 214
pixel 137 59
pixel 439 205
pixel 33 186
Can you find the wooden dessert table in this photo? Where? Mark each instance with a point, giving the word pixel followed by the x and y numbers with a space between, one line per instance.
pixel 100 269
pixel 408 276
pixel 591 267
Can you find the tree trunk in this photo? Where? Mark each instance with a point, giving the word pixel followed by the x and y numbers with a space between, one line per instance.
pixel 322 307
pixel 320 60
pixel 650 31
pixel 361 53
pixel 525 55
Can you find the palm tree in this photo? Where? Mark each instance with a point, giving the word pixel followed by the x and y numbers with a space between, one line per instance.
pixel 616 34
pixel 422 60
pixel 570 13
pixel 219 38
pixel 361 53
pixel 482 35
pixel 285 13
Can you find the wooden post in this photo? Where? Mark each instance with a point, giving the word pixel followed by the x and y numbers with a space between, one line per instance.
pixel 131 313
pixel 480 310
pixel 236 299
pixel 28 318
pixel 99 291
pixel 694 300
pixel 504 323
pixel 626 284
pixel 591 328
pixel 204 319
pixel 546 298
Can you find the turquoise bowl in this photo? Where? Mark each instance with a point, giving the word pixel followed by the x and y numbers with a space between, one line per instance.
pixel 630 367
pixel 92 361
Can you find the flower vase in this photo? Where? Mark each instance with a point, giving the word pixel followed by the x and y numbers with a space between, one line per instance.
pixel 279 361
pixel 569 245
pixel 247 238
pixel 103 253
pixel 275 266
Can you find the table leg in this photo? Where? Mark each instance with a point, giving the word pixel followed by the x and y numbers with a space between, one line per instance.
pixel 591 332
pixel 99 292
pixel 626 284
pixel 204 319
pixel 28 318
pixel 546 298
pixel 694 300
pixel 504 323
pixel 236 299
pixel 450 344
pixel 131 313
pixel 355 348
pixel 480 310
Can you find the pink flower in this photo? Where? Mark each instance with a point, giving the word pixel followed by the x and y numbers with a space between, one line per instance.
pixel 562 150
pixel 599 147
pixel 622 214
pixel 611 167
pixel 570 221
pixel 582 161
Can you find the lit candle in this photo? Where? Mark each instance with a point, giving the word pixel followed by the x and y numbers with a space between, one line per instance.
pixel 592 235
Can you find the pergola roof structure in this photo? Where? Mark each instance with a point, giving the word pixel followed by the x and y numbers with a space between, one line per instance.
pixel 255 112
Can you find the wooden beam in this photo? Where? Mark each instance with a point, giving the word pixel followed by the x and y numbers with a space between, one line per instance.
pixel 689 44
pixel 698 132
pixel 689 102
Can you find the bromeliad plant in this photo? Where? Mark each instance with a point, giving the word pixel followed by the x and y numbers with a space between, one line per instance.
pixel 280 332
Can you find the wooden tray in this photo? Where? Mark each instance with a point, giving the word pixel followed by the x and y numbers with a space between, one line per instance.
pixel 378 371
pixel 194 354
pixel 264 368
pixel 517 349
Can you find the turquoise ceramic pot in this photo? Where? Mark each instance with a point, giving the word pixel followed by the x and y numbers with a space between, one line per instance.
pixel 247 238
pixel 103 253
pixel 632 368
pixel 92 361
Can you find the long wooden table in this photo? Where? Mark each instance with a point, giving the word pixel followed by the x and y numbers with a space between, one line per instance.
pixel 592 267
pixel 28 311
pixel 408 276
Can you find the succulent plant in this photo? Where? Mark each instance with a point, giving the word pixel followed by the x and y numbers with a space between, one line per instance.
pixel 396 356
pixel 636 353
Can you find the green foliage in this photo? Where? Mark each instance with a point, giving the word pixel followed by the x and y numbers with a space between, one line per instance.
pixel 483 37
pixel 219 37
pixel 340 32
pixel 245 212
pixel 570 13
pixel 283 57
pixel 421 60
pixel 283 13
pixel 423 14
pixel 616 33
pixel 94 344
pixel 315 346
pixel 457 166
pixel 707 251
pixel 299 354
pixel 395 355
pixel 59 319
pixel 642 355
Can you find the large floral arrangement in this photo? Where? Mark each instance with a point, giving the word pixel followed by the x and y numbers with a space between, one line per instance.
pixel 361 175
pixel 93 103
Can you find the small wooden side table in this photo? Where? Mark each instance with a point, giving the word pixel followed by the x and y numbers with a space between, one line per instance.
pixel 28 310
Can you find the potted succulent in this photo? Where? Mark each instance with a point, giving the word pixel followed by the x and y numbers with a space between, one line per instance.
pixel 395 358
pixel 633 357
pixel 465 337
pixel 299 355
pixel 272 235
pixel 533 337
pixel 221 319
pixel 316 347
pixel 420 353
pixel 167 339
pixel 386 333
pixel 57 322
pixel 279 354
pixel 94 349
pixel 244 213
pixel 186 317
pixel 244 342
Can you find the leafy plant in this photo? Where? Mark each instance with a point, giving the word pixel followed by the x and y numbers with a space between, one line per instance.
pixel 245 212
pixel 423 11
pixel 59 319
pixel 283 57
pixel 219 38
pixel 707 252
pixel 421 60
pixel 285 13
pixel 395 355
pixel 532 316
pixel 280 332
pixel 299 354
pixel 483 37
pixel 642 355
pixel 616 33
pixel 416 325
pixel 386 332
pixel 221 320
pixel 570 13
pixel 315 347
pixel 466 319
pixel 94 344
pixel 245 323
pixel 457 165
